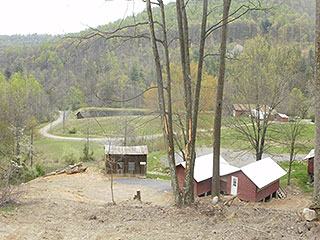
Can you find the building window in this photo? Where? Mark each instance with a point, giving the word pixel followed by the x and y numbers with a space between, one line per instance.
pixel 132 166
pixel 234 182
pixel 120 167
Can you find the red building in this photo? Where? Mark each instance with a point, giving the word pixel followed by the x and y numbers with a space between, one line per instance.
pixel 282 117
pixel 203 173
pixel 310 158
pixel 259 111
pixel 253 182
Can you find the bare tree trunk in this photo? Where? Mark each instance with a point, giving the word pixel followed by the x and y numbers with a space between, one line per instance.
pixel 290 161
pixel 32 146
pixel 198 85
pixel 171 156
pixel 167 133
pixel 215 187
pixel 316 193
pixel 188 195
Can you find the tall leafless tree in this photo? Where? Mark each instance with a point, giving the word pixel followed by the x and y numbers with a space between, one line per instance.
pixel 316 193
pixel 215 187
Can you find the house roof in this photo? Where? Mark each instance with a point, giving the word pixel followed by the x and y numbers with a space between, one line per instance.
pixel 263 172
pixel 204 166
pixel 310 155
pixel 125 150
pixel 282 115
pixel 250 107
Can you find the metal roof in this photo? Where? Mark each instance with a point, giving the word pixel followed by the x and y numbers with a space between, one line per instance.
pixel 249 107
pixel 310 155
pixel 204 166
pixel 126 150
pixel 263 172
pixel 282 115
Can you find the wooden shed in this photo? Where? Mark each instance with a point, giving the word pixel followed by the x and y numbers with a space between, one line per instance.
pixel 310 158
pixel 126 160
pixel 203 173
pixel 255 181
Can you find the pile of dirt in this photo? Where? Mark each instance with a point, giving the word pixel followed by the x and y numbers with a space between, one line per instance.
pixel 79 207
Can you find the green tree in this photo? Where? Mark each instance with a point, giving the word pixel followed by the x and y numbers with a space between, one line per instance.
pixel 75 98
pixel 261 80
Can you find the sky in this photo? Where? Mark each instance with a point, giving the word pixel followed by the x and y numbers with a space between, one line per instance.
pixel 62 16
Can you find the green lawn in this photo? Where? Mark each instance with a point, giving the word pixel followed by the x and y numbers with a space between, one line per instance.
pixel 54 154
pixel 299 175
pixel 232 139
pixel 110 126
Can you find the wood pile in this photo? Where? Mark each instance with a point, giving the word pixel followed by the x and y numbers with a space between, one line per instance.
pixel 72 169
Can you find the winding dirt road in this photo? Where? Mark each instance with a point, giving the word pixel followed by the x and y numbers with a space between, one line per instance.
pixel 113 141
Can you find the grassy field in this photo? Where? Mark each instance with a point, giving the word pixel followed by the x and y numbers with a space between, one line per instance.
pixel 55 154
pixel 299 175
pixel 275 141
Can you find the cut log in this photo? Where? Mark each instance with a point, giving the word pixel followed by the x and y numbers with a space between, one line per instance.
pixel 72 169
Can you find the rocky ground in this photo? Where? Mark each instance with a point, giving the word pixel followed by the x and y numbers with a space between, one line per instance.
pixel 79 206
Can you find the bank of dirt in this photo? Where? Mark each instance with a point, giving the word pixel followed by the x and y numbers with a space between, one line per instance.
pixel 79 207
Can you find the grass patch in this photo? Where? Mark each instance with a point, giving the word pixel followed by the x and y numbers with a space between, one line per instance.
pixel 299 175
pixel 232 139
pixel 53 153
pixel 154 162
pixel 7 208
pixel 111 126
pixel 156 176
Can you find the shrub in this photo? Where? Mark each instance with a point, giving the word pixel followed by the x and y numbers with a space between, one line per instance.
pixel 70 159
pixel 40 170
pixel 72 130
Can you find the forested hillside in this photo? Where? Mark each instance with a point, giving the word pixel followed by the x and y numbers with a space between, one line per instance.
pixel 72 71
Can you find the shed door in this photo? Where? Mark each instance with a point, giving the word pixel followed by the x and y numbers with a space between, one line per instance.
pixel 234 185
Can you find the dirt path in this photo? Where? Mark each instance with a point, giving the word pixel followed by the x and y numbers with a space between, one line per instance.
pixel 79 207
pixel 114 141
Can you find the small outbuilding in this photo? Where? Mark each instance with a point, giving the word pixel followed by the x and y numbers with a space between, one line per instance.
pixel 126 160
pixel 259 111
pixel 310 158
pixel 203 173
pixel 282 117
pixel 255 181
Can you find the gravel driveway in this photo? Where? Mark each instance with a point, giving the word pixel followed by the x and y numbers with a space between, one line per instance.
pixel 158 185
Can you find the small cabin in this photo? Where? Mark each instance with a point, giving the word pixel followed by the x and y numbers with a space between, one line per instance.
pixel 126 160
pixel 282 117
pixel 255 181
pixel 203 173
pixel 310 158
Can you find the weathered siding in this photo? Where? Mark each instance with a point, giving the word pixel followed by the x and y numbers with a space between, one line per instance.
pixel 246 188
pixel 267 191
pixel 310 165
pixel 203 186
pixel 125 159
pixel 180 176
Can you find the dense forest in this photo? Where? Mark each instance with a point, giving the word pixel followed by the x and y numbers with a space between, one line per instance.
pixel 73 69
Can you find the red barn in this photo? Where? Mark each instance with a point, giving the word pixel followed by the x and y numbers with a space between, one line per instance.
pixel 255 181
pixel 282 117
pixel 203 173
pixel 310 158
pixel 260 111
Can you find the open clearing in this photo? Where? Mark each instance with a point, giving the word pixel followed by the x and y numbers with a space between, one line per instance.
pixel 79 207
